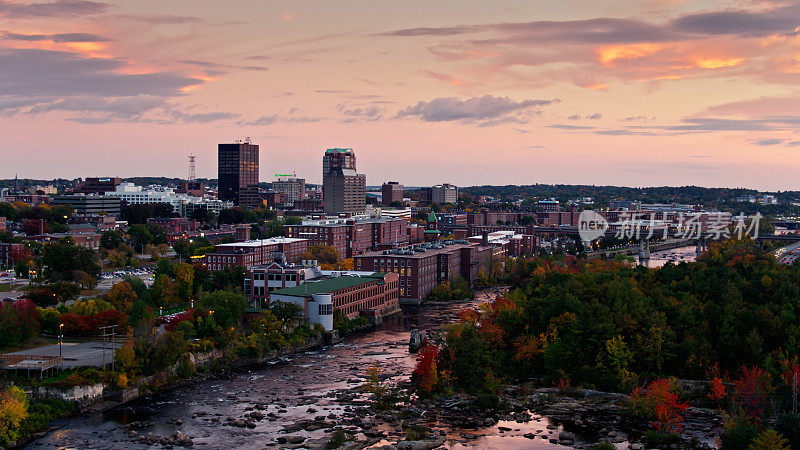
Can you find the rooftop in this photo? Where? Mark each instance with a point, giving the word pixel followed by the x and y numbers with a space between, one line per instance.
pixel 338 150
pixel 329 285
pixel 260 242
pixel 420 250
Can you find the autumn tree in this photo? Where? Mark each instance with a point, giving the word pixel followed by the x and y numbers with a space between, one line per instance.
pixel 122 296
pixel 324 254
pixel 184 279
pixel 13 410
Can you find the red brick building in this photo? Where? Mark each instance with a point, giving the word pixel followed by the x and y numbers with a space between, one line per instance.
pixel 174 225
pixel 257 252
pixel 421 267
pixel 349 236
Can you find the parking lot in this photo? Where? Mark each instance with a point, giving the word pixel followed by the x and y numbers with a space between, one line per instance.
pixel 81 354
pixel 107 279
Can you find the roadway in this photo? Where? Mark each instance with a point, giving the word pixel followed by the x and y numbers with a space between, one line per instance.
pixel 788 254
pixel 76 354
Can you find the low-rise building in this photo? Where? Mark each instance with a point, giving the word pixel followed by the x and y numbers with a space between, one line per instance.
pixel 371 294
pixel 88 204
pixel 174 225
pixel 421 267
pixel 351 236
pixel 255 252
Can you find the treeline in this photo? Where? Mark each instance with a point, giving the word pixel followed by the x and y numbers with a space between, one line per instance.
pixel 610 325
pixel 604 194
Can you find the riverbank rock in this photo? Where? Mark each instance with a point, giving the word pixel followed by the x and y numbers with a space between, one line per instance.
pixel 416 340
pixel 427 444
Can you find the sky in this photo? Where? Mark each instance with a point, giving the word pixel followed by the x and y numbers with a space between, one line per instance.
pixel 607 92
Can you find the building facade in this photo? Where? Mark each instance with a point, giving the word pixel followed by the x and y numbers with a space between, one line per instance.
pixel 391 192
pixel 255 252
pixel 291 190
pixel 354 294
pixel 351 236
pixel 343 189
pixel 87 204
pixel 421 267
pixel 97 185
pixel 261 280
pixel 238 174
pixel 444 193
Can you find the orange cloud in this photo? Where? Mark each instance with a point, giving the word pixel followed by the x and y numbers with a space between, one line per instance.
pixel 91 49
pixel 717 63
pixel 609 55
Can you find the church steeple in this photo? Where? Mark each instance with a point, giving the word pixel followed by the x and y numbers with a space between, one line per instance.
pixel 432 228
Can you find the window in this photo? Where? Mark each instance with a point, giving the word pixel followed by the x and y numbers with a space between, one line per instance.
pixel 325 310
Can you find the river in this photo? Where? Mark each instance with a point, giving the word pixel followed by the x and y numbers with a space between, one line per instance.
pixel 295 388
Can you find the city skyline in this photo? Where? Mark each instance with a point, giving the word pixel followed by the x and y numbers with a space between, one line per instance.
pixel 662 92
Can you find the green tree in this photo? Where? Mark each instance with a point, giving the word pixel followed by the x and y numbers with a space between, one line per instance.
pixel 228 307
pixel 164 292
pixel 62 258
pixel 111 239
pixel 140 236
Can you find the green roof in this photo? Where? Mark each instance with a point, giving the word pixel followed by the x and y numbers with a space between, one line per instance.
pixel 328 285
pixel 337 150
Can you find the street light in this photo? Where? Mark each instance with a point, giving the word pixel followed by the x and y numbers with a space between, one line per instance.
pixel 60 340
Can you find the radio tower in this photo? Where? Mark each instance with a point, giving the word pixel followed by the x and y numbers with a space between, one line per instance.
pixel 192 176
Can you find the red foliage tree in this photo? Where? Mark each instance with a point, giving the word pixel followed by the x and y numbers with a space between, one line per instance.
pixel 752 391
pixel 717 388
pixel 28 317
pixel 75 324
pixel 660 400
pixel 425 373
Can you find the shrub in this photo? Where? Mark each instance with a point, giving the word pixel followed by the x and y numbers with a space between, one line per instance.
pixel 603 446
pixel 789 426
pixel 769 440
pixel 339 438
pixel 738 434
pixel 487 401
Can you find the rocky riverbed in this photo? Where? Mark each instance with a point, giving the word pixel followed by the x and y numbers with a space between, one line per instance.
pixel 308 400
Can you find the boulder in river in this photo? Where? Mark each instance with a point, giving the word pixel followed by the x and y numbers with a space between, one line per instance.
pixel 416 340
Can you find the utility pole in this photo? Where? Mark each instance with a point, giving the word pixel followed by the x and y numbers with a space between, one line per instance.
pixel 108 331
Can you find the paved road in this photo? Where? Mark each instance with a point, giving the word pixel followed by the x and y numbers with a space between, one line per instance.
pixel 81 354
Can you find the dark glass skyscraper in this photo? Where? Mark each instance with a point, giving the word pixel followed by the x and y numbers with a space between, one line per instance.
pixel 238 174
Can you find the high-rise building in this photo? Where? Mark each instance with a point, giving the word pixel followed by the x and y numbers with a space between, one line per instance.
pixel 238 174
pixel 444 193
pixel 338 157
pixel 291 190
pixel 343 190
pixel 391 192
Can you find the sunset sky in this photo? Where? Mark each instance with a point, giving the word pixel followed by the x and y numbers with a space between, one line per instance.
pixel 639 93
